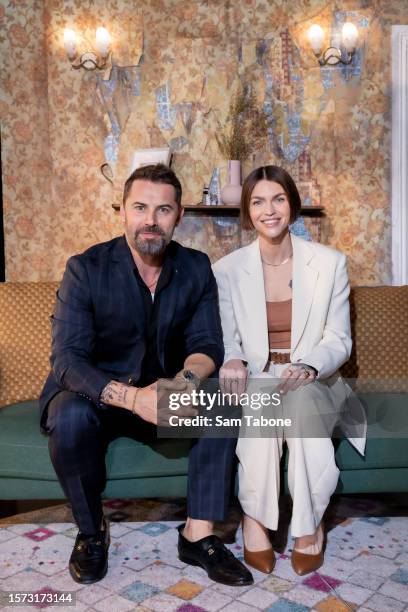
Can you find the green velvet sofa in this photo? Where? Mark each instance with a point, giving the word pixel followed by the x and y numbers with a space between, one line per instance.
pixel 134 470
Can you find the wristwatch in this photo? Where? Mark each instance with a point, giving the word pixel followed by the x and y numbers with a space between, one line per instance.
pixel 191 377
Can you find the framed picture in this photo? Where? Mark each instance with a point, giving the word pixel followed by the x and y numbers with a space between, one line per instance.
pixel 145 157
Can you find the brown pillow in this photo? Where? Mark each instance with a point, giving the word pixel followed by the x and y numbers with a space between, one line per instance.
pixel 379 323
pixel 25 339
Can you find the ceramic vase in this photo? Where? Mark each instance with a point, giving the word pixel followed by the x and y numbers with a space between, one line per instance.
pixel 231 193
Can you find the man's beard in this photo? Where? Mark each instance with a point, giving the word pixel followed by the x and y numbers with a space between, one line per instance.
pixel 153 246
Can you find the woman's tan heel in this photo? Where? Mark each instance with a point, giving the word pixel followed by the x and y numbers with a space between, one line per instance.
pixel 261 560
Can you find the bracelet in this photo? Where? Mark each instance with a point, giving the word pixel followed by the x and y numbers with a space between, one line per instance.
pixel 134 401
pixel 306 366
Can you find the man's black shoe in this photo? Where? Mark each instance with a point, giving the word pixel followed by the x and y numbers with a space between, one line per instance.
pixel 89 558
pixel 219 562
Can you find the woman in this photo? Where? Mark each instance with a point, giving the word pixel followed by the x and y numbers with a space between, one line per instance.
pixel 285 314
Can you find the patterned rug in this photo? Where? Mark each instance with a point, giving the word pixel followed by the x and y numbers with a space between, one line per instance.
pixel 366 562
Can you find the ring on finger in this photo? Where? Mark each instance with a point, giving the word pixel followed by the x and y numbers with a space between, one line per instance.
pixel 230 384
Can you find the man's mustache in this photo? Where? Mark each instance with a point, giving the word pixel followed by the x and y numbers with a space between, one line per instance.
pixel 150 229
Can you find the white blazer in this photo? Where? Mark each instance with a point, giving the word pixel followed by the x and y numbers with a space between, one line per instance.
pixel 320 336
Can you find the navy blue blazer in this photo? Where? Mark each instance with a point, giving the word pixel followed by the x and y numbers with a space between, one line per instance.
pixel 99 327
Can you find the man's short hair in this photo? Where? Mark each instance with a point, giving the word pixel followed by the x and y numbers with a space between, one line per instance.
pixel 155 173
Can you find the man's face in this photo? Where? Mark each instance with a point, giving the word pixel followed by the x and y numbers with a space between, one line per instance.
pixel 150 215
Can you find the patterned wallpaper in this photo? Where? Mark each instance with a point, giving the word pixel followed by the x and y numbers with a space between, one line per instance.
pixel 330 127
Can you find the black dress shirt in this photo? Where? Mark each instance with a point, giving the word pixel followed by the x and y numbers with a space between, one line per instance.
pixel 151 368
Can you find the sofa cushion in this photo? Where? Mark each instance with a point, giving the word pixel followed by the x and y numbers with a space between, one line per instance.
pixel 25 339
pixel 24 451
pixel 387 434
pixel 379 323
pixel 380 453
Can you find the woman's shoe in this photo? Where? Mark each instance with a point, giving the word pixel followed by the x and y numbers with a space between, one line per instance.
pixel 304 563
pixel 261 560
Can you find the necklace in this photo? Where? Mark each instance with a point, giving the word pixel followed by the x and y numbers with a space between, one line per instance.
pixel 152 284
pixel 277 265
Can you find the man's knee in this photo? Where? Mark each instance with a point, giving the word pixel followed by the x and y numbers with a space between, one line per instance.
pixel 70 414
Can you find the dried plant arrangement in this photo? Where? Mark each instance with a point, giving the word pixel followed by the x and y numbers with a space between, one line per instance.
pixel 246 128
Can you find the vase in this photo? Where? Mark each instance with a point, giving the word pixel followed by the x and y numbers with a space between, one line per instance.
pixel 231 193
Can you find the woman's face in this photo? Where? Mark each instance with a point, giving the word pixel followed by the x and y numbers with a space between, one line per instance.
pixel 269 209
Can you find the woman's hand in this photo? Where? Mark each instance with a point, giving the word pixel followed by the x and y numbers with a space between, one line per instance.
pixel 295 376
pixel 233 377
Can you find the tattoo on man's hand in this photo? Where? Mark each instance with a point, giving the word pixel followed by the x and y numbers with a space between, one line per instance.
pixel 115 393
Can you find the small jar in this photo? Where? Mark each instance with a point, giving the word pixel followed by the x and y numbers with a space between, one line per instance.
pixel 206 196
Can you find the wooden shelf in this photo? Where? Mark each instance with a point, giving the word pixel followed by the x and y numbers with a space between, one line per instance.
pixel 222 209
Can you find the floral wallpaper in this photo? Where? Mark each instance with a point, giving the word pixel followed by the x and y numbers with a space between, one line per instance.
pixel 174 66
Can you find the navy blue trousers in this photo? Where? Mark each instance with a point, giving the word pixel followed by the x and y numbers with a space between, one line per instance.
pixel 79 435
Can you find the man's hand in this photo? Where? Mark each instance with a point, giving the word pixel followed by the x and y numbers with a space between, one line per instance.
pixel 177 385
pixel 192 382
pixel 148 403
pixel 144 402
pixel 141 401
pixel 152 403
pixel 295 376
pixel 233 377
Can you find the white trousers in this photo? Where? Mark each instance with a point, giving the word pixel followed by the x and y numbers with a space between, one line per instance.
pixel 312 471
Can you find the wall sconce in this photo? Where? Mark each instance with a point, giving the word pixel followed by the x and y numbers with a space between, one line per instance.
pixel 88 60
pixel 333 55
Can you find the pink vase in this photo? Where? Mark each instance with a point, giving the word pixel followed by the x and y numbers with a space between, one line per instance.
pixel 231 193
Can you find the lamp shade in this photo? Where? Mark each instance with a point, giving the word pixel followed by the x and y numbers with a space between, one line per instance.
pixel 102 41
pixel 349 36
pixel 315 35
pixel 70 42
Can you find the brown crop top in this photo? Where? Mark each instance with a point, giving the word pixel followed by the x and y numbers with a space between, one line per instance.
pixel 279 317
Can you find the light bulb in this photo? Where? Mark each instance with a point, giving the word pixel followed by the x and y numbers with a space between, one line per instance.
pixel 102 41
pixel 349 36
pixel 315 35
pixel 70 42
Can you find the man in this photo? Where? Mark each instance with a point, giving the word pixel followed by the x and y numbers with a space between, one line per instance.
pixel 128 313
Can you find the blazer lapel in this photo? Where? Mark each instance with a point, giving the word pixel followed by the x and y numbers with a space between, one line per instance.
pixel 303 286
pixel 252 289
pixel 122 256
